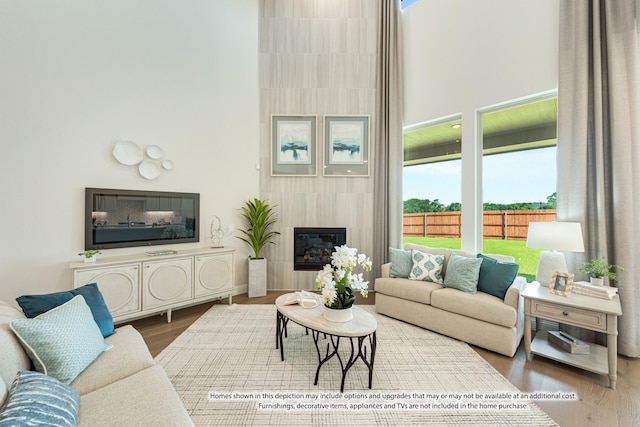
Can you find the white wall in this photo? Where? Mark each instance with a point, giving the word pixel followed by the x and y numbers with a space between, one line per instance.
pixel 461 56
pixel 76 76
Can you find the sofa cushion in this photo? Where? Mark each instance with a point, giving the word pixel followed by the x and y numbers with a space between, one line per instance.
pixel 401 263
pixel 13 358
pixel 479 306
pixel 37 399
pixel 63 341
pixel 128 356
pixel 446 253
pixel 495 276
pixel 146 398
pixel 426 267
pixel 411 290
pixel 35 305
pixel 462 273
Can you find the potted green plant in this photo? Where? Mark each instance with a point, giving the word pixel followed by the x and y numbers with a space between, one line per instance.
pixel 90 255
pixel 260 218
pixel 598 269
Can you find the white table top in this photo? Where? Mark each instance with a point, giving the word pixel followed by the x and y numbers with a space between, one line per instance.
pixel 541 293
pixel 361 325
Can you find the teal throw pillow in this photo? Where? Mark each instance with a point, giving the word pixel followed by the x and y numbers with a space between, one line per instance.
pixel 35 305
pixel 426 267
pixel 63 341
pixel 37 399
pixel 462 273
pixel 495 276
pixel 401 263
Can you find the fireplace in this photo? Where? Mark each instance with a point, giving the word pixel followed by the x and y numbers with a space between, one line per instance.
pixel 313 247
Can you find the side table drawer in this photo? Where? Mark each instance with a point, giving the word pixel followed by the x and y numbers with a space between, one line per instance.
pixel 573 316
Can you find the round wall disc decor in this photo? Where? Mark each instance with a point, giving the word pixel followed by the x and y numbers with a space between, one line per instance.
pixel 128 153
pixel 149 169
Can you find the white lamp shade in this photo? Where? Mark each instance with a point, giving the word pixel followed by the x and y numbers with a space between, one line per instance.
pixel 555 236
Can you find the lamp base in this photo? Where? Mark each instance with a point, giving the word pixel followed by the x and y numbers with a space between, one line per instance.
pixel 549 263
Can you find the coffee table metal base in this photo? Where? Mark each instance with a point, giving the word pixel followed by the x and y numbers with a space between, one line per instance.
pixel 358 349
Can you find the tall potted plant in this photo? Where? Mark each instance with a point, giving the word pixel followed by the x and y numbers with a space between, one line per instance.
pixel 260 217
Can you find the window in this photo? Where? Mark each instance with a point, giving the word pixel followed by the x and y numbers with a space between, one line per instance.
pixel 518 175
pixel 432 183
pixel 406 3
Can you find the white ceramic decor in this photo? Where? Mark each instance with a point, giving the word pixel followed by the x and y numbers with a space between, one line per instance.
pixel 167 164
pixel 154 152
pixel 149 170
pixel 128 153
pixel 151 161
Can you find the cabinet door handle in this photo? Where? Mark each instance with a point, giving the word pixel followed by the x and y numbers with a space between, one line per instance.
pixel 564 313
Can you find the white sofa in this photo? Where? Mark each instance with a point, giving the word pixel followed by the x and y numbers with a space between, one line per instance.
pixel 480 319
pixel 122 387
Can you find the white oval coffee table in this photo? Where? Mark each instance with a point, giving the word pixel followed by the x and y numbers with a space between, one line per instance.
pixel 359 331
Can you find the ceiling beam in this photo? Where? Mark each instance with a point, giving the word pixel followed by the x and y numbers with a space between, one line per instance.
pixel 516 140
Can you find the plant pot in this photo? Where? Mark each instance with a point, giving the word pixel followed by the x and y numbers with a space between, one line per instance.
pixel 257 286
pixel 91 258
pixel 597 281
pixel 337 314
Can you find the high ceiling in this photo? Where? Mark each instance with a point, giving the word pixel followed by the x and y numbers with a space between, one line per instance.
pixel 523 127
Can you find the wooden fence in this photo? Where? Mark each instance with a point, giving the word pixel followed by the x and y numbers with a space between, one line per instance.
pixel 504 225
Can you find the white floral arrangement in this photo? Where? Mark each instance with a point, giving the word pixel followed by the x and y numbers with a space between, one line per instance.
pixel 337 280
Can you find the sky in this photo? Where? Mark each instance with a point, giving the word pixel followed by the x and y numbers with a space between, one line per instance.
pixel 523 176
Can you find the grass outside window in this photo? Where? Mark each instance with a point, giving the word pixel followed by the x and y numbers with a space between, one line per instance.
pixel 527 258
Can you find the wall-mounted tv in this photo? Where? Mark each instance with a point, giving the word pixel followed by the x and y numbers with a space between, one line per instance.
pixel 126 218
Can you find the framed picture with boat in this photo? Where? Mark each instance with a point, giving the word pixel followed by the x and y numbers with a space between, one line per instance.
pixel 293 145
pixel 346 146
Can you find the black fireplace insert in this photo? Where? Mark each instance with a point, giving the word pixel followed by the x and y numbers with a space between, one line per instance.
pixel 313 246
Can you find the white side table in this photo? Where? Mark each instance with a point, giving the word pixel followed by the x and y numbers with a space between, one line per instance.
pixel 586 312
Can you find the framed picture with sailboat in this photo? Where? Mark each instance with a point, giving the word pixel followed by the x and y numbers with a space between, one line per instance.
pixel 346 146
pixel 293 145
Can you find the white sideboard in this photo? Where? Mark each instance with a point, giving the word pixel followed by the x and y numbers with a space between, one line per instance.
pixel 138 285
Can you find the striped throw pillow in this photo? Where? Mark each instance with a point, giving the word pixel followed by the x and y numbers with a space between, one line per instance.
pixel 38 399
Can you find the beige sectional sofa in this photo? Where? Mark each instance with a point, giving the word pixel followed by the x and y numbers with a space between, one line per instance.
pixel 477 318
pixel 122 387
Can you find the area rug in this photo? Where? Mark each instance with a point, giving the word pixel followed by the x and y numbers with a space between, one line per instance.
pixel 227 370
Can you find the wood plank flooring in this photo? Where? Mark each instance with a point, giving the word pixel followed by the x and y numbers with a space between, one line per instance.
pixel 596 405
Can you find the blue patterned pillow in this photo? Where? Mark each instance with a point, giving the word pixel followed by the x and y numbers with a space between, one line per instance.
pixel 35 305
pixel 426 266
pixel 37 399
pixel 63 341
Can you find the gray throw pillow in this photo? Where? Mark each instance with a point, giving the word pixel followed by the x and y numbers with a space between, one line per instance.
pixel 401 263
pixel 462 273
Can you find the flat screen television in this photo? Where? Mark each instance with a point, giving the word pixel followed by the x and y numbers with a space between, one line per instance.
pixel 127 218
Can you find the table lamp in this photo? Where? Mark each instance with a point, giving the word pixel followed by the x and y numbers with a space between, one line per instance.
pixel 554 236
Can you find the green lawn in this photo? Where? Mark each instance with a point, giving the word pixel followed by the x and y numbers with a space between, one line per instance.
pixel 526 257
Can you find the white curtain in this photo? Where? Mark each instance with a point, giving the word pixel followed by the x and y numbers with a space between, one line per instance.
pixel 387 218
pixel 599 143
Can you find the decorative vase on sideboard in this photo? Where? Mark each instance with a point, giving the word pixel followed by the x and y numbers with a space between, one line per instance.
pixel 337 314
pixel 257 286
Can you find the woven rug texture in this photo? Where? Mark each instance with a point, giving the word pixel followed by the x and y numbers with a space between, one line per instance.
pixel 227 371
